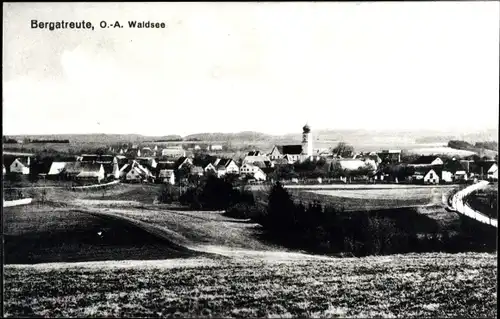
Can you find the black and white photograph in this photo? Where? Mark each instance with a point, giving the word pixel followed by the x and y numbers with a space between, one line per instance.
pixel 250 159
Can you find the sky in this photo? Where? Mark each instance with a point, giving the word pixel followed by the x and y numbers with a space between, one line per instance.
pixel 267 67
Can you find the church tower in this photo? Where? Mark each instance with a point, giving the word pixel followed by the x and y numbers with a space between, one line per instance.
pixel 307 143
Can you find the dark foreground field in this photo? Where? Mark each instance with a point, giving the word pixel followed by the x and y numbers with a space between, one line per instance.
pixel 36 234
pixel 426 285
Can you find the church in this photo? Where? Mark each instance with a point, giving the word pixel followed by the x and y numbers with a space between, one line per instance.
pixel 295 152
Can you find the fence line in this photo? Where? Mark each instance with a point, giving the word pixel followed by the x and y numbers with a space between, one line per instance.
pixel 66 187
pixel 17 202
pixel 459 206
pixel 94 186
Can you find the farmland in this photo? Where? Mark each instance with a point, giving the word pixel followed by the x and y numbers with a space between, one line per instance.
pixel 442 150
pixel 55 233
pixel 426 285
pixel 371 197
pixel 225 266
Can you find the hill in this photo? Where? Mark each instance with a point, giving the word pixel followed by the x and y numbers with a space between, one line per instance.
pixel 361 139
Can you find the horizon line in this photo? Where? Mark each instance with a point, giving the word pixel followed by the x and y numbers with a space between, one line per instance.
pixel 450 130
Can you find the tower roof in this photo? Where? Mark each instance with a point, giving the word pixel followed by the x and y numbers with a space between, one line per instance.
pixel 306 128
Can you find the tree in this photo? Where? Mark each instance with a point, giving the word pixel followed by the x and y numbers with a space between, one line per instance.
pixel 281 209
pixel 336 170
pixel 183 173
pixel 343 149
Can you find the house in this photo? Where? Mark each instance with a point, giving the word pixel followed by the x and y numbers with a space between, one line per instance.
pixel 173 151
pixel 216 147
pixel 221 171
pixel 148 162
pixel 166 176
pixel 20 165
pixel 197 170
pixel 230 165
pixel 183 161
pixel 160 169
pixel 147 152
pixel 56 168
pixel 426 160
pixel 197 147
pixel 250 159
pixel 91 172
pixel 122 160
pixel 254 153
pixel 111 170
pixel 254 171
pixel 280 161
pixel 294 152
pixel 105 159
pixel 71 170
pixel 466 164
pixel 493 172
pixel 210 169
pixel 134 172
pixel 262 165
pixel 351 164
pixel 132 153
pixel 480 168
pixel 453 170
pixel 426 175
pixel 88 158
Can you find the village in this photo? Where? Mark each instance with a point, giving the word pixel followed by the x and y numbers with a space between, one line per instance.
pixel 293 163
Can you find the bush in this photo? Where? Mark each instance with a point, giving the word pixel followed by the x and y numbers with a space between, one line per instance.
pixel 324 229
pixel 168 194
pixel 215 194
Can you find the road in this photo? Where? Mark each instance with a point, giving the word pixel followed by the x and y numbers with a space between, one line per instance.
pixel 458 205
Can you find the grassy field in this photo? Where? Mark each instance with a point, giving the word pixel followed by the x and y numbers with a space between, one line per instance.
pixel 47 233
pixel 442 150
pixel 373 198
pixel 427 285
pixel 153 261
pixel 485 200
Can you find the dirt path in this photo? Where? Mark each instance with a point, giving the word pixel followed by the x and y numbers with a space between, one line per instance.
pixel 207 232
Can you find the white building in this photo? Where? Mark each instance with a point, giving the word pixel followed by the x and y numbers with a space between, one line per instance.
pixel 296 152
pixel 173 151
pixel 20 166
pixel 226 166
pixel 56 168
pixel 254 171
pixel 216 147
pixel 91 171
pixel 307 141
pixel 426 175
pixel 493 172
pixel 167 176
pixel 210 168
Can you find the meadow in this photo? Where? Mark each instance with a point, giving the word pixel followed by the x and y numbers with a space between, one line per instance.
pixel 152 260
pixel 424 285
pixel 40 233
pixel 372 197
